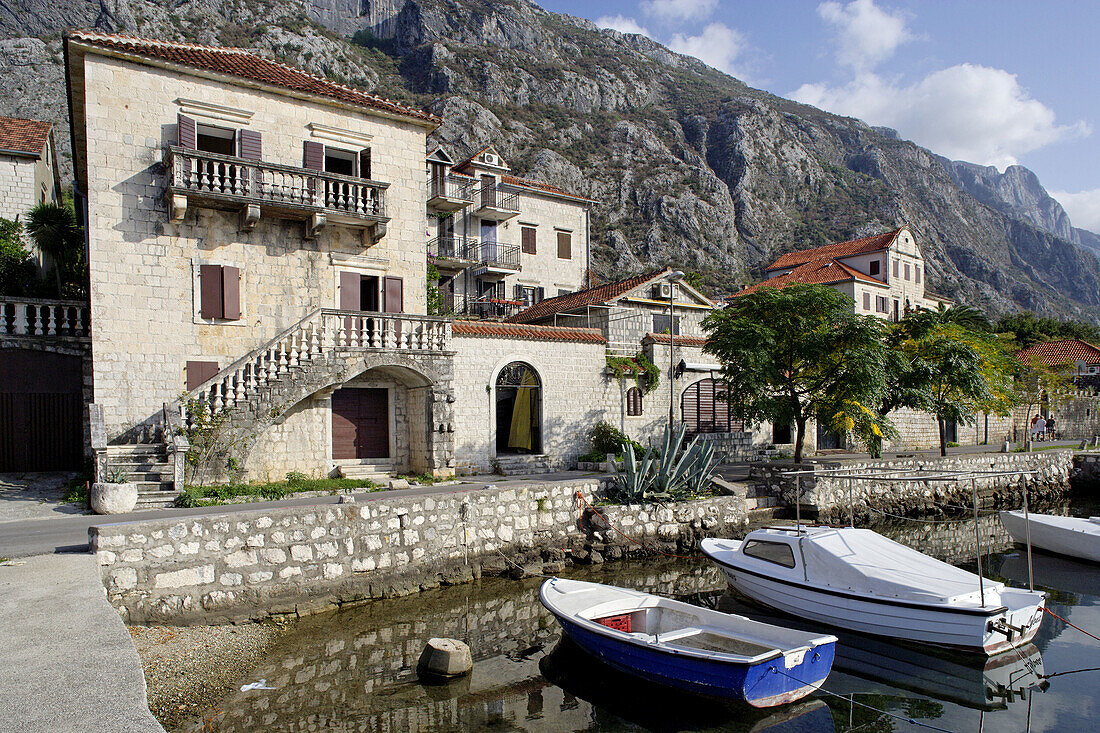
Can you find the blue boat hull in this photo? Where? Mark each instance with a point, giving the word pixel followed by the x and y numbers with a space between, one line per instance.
pixel 762 684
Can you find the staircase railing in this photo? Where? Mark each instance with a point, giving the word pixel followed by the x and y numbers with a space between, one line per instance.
pixel 320 333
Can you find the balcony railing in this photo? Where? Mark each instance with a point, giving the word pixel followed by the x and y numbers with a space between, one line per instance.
pixel 494 254
pixel 494 203
pixel 35 318
pixel 451 248
pixel 485 306
pixel 280 187
pixel 450 193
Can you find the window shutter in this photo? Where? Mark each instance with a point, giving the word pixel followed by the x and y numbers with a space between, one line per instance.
pixel 350 291
pixel 565 246
pixel 250 144
pixel 917 273
pixel 540 295
pixel 313 155
pixel 197 372
pixel 392 294
pixel 210 291
pixel 527 240
pixel 187 134
pixel 231 293
pixel 866 301
pixel 364 163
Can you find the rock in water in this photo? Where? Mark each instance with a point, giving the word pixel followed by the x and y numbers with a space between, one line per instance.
pixel 445 658
pixel 113 498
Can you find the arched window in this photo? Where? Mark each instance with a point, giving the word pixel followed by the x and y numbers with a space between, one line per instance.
pixel 704 410
pixel 518 409
pixel 634 402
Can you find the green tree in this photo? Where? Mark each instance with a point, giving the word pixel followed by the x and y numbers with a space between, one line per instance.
pixel 55 232
pixel 1036 381
pixel 956 371
pixel 17 272
pixel 791 354
pixel 1028 329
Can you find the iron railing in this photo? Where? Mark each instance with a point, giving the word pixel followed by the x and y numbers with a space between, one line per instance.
pixel 451 187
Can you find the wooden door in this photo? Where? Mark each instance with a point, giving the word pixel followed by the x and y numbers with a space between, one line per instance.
pixel 41 426
pixel 360 423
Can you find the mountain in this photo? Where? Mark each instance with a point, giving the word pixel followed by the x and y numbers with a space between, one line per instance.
pixel 693 167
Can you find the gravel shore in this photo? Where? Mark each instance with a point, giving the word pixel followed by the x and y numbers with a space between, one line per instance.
pixel 189 668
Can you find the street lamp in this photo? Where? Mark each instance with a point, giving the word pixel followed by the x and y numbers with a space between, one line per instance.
pixel 672 278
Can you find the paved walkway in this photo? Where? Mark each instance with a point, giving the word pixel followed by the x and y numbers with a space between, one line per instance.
pixel 35 496
pixel 67 662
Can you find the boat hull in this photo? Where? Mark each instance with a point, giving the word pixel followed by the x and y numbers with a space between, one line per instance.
pixel 912 622
pixel 1068 536
pixel 760 684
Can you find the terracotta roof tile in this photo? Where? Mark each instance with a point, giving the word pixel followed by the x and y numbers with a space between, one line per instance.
pixel 818 272
pixel 540 186
pixel 664 338
pixel 23 136
pixel 495 329
pixel 580 299
pixel 1058 353
pixel 833 251
pixel 245 64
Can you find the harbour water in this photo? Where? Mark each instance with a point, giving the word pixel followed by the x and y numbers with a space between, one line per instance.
pixel 355 670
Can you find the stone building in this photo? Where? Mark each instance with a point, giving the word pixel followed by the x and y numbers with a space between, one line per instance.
pixel 884 274
pixel 502 243
pixel 29 175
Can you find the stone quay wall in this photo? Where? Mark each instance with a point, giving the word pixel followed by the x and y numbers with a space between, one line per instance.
pixel 827 496
pixel 301 560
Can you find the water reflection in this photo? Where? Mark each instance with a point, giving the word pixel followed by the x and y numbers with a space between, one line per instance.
pixel 355 670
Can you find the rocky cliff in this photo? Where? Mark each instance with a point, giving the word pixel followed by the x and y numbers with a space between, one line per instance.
pixel 692 167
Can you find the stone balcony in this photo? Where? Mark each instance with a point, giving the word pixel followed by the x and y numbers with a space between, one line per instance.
pixel 35 319
pixel 450 193
pixel 495 204
pixel 257 189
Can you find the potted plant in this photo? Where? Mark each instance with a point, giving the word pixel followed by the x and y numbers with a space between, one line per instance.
pixel 115 495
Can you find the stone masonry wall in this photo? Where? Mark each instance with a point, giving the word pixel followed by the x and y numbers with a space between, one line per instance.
pixel 143 268
pixel 828 495
pixel 298 560
pixel 17 195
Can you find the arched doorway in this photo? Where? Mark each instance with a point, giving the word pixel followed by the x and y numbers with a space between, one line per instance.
pixel 519 409
pixel 704 409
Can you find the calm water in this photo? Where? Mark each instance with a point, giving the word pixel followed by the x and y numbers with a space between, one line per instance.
pixel 355 670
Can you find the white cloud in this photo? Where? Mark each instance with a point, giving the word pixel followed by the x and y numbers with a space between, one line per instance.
pixel 622 24
pixel 718 46
pixel 965 112
pixel 866 34
pixel 679 10
pixel 1083 207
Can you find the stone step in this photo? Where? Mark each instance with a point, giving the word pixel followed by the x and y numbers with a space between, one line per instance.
pixel 374 471
pixel 142 466
pixel 140 477
pixel 137 449
pixel 156 499
pixel 161 486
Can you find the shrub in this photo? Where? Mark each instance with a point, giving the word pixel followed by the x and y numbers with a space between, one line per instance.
pixel 296 478
pixel 606 438
pixel 273 492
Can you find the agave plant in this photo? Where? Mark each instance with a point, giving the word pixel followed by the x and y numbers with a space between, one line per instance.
pixel 673 472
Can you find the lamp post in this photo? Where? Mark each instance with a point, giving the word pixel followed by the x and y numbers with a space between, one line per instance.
pixel 673 277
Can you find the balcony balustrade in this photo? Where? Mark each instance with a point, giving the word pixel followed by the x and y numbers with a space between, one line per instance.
pixel 452 249
pixel 36 318
pixel 495 256
pixel 450 193
pixel 495 204
pixel 225 181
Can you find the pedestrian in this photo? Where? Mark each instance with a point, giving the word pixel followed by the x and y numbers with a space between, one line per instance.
pixel 1040 428
pixel 1050 428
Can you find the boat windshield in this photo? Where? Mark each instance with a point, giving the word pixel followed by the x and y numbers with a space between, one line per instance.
pixel 779 553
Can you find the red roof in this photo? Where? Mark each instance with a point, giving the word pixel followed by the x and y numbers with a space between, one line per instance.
pixel 543 187
pixel 1059 353
pixel 817 272
pixel 245 64
pixel 23 136
pixel 865 245
pixel 581 298
pixel 530 333
pixel 664 338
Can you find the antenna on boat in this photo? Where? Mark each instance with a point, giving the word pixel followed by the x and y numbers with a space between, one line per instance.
pixel 978 539
pixel 1027 533
pixel 851 506
pixel 798 504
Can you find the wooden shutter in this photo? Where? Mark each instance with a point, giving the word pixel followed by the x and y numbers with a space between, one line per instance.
pixel 211 302
pixel 350 294
pixel 250 144
pixel 866 301
pixel 231 293
pixel 364 163
pixel 633 402
pixel 540 294
pixel 392 295
pixel 527 240
pixel 187 133
pixel 565 246
pixel 313 155
pixel 197 372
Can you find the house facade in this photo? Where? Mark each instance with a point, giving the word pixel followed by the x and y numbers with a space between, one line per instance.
pixel 501 243
pixel 29 174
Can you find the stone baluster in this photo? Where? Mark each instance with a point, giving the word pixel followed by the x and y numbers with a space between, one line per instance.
pixel 250 378
pixel 51 319
pixel 79 327
pixel 316 330
pixel 239 393
pixel 36 324
pixel 284 356
pixel 290 345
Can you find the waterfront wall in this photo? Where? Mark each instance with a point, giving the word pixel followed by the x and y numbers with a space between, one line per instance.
pixel 300 560
pixel 828 496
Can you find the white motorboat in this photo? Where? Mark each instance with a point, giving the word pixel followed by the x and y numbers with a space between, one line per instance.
pixel 1073 536
pixel 857 579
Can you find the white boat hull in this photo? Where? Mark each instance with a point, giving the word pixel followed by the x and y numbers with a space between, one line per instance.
pixel 1070 536
pixel 970 630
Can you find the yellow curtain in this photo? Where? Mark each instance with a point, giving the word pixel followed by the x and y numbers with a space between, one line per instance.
pixel 520 435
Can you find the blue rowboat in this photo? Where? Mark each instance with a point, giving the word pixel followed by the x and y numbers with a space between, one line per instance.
pixel 690 648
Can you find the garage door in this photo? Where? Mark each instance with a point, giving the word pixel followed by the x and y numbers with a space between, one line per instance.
pixel 41 426
pixel 360 423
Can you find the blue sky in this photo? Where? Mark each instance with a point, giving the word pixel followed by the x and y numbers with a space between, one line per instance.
pixel 989 82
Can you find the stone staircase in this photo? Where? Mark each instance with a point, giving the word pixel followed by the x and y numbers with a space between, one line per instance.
pixel 377 471
pixel 149 467
pixel 519 465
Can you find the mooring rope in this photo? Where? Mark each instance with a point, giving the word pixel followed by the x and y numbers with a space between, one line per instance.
pixel 599 514
pixel 852 701
pixel 1067 623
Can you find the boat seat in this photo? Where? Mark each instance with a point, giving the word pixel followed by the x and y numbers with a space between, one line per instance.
pixel 678 633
